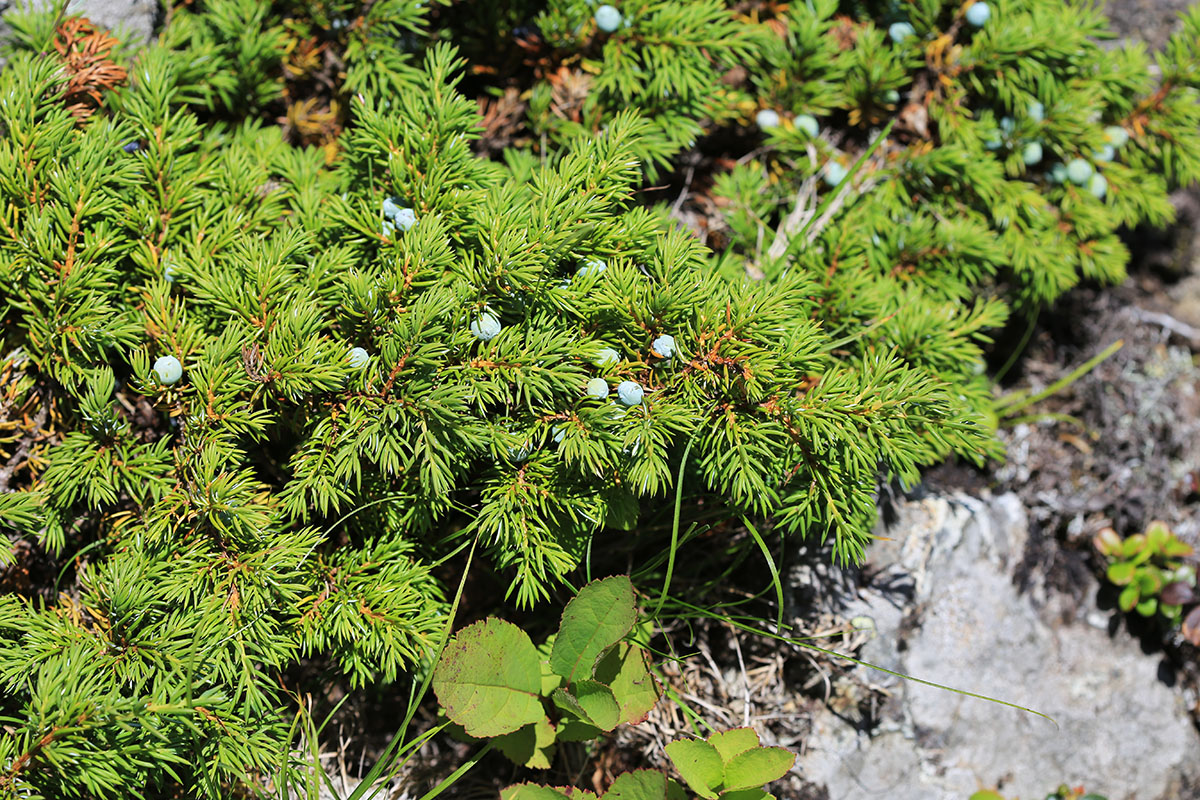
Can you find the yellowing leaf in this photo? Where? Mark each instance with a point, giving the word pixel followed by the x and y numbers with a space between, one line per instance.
pixel 531 791
pixel 623 669
pixel 730 743
pixel 699 764
pixel 595 619
pixel 753 768
pixel 489 680
pixel 598 703
pixel 640 784
pixel 531 746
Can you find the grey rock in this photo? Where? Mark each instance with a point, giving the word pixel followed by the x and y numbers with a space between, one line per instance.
pixel 1122 733
pixel 1151 21
pixel 131 20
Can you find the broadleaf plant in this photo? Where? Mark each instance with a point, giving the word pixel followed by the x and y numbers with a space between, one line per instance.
pixel 490 681
pixel 487 663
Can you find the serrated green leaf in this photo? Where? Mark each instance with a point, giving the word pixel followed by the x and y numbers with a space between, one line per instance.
pixel 753 768
pixel 595 619
pixel 730 743
pixel 550 680
pixel 598 703
pixel 747 794
pixel 640 784
pixel 699 764
pixel 624 670
pixel 531 791
pixel 488 679
pixel 576 730
pixel 568 702
pixel 531 746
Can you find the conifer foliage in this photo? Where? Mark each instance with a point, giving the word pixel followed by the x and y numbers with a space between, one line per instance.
pixel 255 393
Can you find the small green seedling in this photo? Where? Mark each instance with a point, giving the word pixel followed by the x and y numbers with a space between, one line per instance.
pixel 1063 792
pixel 1144 564
pixel 730 765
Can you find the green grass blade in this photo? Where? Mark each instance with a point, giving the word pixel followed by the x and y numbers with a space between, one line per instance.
pixel 453 777
pixel 1020 348
pixel 390 752
pixel 1011 404
pixel 802 641
pixel 674 531
pixel 775 581
pixel 832 196
pixel 922 681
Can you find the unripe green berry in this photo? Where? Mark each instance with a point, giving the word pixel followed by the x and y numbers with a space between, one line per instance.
pixel 608 19
pixel 1116 136
pixel 978 14
pixel 597 388
pixel 1106 153
pixel 1079 170
pixel 168 370
pixel 1037 111
pixel 767 119
pixel 606 357
pixel 1098 185
pixel 358 358
pixel 486 327
pixel 808 124
pixel 1032 153
pixel 630 393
